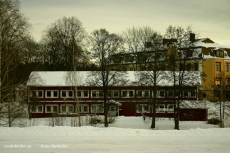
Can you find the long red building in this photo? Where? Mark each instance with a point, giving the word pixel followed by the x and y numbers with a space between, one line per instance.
pixel 50 94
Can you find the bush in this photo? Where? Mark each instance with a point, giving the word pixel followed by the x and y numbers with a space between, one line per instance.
pixel 214 121
pixel 95 120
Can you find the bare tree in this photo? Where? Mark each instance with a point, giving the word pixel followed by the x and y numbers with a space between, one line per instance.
pixel 13 30
pixel 104 45
pixel 178 41
pixel 136 40
pixel 156 70
pixel 65 41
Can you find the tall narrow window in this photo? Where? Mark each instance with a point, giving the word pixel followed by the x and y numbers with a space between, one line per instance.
pixel 218 67
pixel 227 67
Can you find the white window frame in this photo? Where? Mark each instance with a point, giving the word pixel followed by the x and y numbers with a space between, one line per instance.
pixel 189 94
pixel 67 108
pixel 51 108
pixel 97 93
pixel 82 93
pixel 82 106
pixel 97 108
pixel 142 108
pixel 227 69
pixel 218 66
pixel 142 94
pixel 168 93
pixel 37 95
pixel 169 110
pixel 36 107
pixel 159 94
pixel 128 95
pixel 112 93
pixel 113 108
pixel 67 93
pixel 52 93
pixel 160 110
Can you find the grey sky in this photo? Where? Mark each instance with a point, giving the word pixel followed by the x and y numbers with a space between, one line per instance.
pixel 209 18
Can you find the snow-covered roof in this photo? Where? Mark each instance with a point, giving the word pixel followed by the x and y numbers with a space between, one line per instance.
pixel 209 45
pixel 81 78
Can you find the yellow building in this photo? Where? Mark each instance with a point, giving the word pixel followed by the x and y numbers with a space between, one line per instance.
pixel 203 55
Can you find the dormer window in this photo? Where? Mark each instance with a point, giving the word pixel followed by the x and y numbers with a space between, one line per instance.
pixel 189 53
pixel 219 53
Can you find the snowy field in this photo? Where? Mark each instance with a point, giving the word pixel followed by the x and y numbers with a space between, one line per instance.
pixel 127 134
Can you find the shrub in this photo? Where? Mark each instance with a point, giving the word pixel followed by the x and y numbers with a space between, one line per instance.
pixel 214 121
pixel 95 120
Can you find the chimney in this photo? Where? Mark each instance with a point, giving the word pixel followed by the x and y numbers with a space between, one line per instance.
pixel 192 37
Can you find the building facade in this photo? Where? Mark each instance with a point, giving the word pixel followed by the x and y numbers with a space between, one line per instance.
pixel 55 97
pixel 203 55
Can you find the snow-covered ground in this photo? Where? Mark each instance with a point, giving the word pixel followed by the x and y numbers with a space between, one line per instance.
pixel 127 134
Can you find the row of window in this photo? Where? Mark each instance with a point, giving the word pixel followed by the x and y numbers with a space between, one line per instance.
pixel 160 108
pixel 66 109
pixel 112 93
pixel 219 69
pixel 98 108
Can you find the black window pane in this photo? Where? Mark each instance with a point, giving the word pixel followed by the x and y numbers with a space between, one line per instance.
pixel 130 93
pixel 85 93
pixel 70 93
pixel 55 93
pixel 40 109
pixel 33 108
pixel 48 108
pixel 34 94
pixel 63 94
pixel 55 109
pixel 79 93
pixel 48 94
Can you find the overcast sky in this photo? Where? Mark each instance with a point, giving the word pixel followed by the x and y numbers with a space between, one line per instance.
pixel 209 18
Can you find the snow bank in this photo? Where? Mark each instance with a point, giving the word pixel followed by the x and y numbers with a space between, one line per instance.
pixel 111 131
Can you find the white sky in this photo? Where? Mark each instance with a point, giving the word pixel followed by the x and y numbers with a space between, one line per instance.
pixel 209 18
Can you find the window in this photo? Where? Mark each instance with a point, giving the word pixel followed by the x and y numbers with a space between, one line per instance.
pixel 83 94
pixel 51 109
pixel 143 93
pixel 113 108
pixel 189 53
pixel 117 59
pixel 51 94
pixel 161 108
pixel 36 108
pixel 142 109
pixel 97 93
pixel 227 67
pixel 170 108
pixel 170 94
pixel 161 94
pixel 127 93
pixel 217 82
pixel 218 67
pixel 186 94
pixel 67 109
pixel 189 93
pixel 129 58
pixel 97 109
pixel 192 94
pixel 83 108
pixel 189 66
pixel 177 93
pixel 36 94
pixel 219 53
pixel 196 66
pixel 113 93
pixel 66 93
